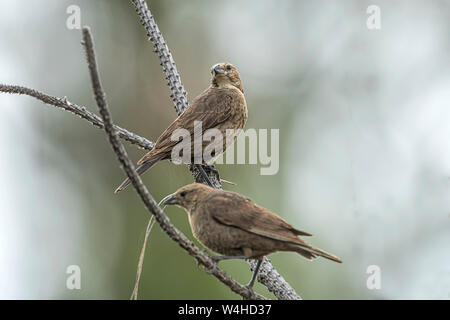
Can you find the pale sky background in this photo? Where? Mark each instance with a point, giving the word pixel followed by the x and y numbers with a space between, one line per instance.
pixel 364 120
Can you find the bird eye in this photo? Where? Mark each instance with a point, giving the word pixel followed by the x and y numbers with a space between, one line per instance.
pixel 228 67
pixel 183 193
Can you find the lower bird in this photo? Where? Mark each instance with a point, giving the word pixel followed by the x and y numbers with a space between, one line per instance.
pixel 237 228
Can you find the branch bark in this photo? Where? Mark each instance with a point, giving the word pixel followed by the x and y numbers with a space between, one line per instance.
pixel 146 197
pixel 268 275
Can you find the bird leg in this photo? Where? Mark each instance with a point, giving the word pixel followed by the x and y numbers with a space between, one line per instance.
pixel 255 273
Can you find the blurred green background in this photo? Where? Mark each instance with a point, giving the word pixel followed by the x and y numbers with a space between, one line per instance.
pixel 364 144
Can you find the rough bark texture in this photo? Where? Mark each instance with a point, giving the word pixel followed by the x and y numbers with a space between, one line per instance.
pixel 268 276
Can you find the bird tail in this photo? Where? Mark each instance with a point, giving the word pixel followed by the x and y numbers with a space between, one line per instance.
pixel 310 252
pixel 140 170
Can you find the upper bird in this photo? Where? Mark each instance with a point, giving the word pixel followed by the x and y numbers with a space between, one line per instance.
pixel 234 226
pixel 222 106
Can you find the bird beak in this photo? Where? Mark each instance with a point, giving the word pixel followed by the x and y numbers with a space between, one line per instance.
pixel 217 69
pixel 170 199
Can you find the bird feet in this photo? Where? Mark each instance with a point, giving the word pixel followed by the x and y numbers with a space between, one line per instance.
pixel 203 176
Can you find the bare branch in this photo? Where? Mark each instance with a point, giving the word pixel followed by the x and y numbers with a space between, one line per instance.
pixel 146 198
pixel 268 275
pixel 78 110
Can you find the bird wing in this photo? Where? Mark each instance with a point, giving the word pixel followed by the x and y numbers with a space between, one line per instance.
pixel 235 210
pixel 212 107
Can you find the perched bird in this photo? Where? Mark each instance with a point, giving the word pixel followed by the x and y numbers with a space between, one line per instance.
pixel 234 226
pixel 221 106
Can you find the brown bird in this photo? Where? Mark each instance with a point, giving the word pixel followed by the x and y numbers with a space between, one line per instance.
pixel 222 106
pixel 234 226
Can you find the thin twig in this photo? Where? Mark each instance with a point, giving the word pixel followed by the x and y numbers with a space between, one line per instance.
pixel 78 110
pixel 271 279
pixel 141 189
pixel 150 224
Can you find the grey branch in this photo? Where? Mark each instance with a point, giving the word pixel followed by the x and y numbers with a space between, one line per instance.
pixel 268 275
pixel 146 197
pixel 78 110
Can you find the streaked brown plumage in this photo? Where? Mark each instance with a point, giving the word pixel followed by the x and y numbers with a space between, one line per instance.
pixel 233 225
pixel 222 106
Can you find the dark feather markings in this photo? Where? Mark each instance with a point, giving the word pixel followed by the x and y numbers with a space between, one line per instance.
pixel 221 108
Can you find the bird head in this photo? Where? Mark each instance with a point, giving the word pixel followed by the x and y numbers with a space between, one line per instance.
pixel 225 74
pixel 187 196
